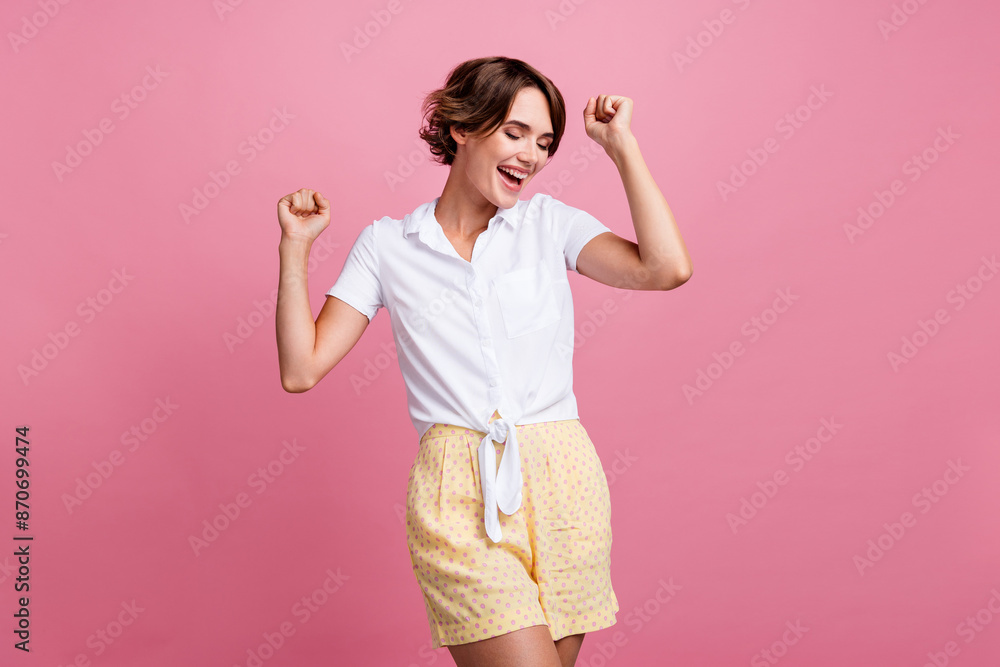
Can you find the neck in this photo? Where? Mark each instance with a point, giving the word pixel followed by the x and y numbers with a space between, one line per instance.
pixel 462 210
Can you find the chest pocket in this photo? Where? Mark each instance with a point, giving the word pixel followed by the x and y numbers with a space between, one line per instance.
pixel 527 300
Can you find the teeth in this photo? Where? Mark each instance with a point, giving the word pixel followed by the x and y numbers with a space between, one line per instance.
pixel 512 173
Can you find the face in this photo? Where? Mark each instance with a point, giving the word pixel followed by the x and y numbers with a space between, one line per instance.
pixel 520 145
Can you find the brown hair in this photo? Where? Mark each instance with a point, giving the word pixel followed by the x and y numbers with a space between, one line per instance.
pixel 477 98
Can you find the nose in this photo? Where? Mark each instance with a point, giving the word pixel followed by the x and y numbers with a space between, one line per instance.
pixel 529 156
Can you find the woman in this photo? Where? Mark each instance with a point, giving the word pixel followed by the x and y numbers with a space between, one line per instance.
pixel 476 288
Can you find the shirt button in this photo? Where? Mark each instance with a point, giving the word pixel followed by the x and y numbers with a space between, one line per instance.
pixel 486 342
pixel 493 382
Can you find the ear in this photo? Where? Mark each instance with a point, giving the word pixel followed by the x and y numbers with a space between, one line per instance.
pixel 459 135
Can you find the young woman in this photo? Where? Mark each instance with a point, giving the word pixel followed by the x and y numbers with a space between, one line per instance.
pixel 507 509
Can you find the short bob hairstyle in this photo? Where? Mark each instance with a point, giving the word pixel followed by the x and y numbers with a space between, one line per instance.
pixel 477 98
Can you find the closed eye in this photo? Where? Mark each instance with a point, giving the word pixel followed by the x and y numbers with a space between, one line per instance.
pixel 544 148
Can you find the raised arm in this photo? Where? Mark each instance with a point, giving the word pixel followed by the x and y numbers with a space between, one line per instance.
pixel 308 350
pixel 660 260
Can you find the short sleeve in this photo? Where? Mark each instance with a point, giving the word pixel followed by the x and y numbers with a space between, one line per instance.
pixel 358 284
pixel 573 228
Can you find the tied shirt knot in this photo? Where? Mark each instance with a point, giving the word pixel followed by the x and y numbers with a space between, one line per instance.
pixel 501 488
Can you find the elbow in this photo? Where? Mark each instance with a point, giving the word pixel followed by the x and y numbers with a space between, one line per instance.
pixel 296 385
pixel 675 280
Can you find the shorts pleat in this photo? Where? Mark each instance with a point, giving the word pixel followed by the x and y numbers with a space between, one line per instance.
pixel 553 565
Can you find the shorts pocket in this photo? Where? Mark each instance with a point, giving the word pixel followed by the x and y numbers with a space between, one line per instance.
pixel 527 300
pixel 458 490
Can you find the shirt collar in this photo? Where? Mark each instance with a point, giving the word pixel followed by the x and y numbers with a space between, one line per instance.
pixel 423 218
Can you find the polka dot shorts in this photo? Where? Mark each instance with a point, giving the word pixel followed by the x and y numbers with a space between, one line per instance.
pixel 553 565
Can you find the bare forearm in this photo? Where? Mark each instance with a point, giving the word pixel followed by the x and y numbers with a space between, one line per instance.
pixel 296 329
pixel 661 247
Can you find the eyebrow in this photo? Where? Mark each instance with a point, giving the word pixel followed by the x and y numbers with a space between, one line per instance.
pixel 527 128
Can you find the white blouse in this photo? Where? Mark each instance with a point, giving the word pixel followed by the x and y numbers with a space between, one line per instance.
pixel 493 334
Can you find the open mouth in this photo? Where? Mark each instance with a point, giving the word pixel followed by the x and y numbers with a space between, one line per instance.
pixel 510 181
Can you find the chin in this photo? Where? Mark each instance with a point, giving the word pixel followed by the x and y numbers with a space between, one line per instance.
pixel 510 200
pixel 509 196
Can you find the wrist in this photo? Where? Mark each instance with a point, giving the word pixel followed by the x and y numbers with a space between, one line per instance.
pixel 620 147
pixel 294 241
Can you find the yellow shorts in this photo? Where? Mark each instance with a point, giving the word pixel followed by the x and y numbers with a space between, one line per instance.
pixel 553 565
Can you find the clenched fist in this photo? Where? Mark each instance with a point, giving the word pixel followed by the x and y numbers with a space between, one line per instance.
pixel 303 214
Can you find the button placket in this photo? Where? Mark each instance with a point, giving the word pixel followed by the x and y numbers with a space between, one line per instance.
pixel 485 338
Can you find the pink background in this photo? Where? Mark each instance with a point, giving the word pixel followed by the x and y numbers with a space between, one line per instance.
pixel 351 124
